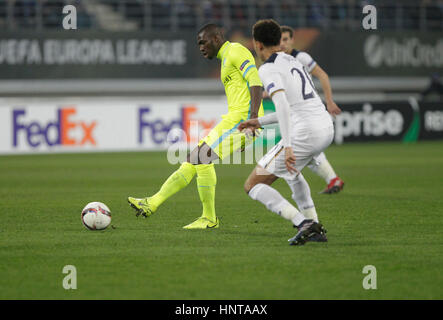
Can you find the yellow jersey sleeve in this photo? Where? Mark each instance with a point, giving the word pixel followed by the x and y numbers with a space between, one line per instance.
pixel 244 62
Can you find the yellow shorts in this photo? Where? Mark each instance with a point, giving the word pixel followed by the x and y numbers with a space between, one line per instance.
pixel 225 139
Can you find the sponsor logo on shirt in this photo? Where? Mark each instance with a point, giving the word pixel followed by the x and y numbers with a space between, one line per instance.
pixel 227 79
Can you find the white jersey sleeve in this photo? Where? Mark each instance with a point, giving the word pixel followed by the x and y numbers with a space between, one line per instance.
pixel 306 60
pixel 283 116
pixel 274 85
pixel 270 118
pixel 271 79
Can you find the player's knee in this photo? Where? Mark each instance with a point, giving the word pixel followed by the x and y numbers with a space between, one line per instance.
pixel 206 155
pixel 192 157
pixel 200 155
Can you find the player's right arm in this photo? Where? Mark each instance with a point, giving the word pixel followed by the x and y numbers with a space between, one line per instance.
pixel 283 115
pixel 273 84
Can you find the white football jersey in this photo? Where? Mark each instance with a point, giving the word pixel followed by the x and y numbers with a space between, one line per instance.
pixel 284 72
pixel 305 59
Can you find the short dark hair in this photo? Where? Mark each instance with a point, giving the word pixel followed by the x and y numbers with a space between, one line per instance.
pixel 210 28
pixel 267 32
pixel 287 29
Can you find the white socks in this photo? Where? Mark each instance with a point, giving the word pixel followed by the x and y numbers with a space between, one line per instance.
pixel 321 166
pixel 301 193
pixel 274 202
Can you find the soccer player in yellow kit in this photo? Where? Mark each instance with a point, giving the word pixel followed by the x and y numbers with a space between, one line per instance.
pixel 243 89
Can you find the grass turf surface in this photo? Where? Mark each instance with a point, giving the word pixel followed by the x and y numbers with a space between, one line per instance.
pixel 389 215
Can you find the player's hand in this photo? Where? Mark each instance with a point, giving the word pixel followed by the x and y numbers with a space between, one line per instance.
pixel 249 124
pixel 333 109
pixel 290 160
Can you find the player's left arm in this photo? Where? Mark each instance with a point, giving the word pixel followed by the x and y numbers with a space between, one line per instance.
pixel 323 77
pixel 245 64
pixel 311 65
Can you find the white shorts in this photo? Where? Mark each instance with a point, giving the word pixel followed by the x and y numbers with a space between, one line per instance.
pixel 306 144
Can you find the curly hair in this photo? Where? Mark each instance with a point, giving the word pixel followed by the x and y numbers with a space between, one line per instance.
pixel 267 32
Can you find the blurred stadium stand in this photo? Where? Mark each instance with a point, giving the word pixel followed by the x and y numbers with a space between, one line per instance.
pixel 174 15
pixel 188 15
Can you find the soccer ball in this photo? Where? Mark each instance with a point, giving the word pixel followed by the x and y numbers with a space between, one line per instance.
pixel 96 216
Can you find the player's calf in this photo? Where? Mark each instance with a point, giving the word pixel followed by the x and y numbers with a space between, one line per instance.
pixel 258 175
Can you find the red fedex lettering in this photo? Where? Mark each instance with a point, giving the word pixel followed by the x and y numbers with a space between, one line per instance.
pixel 87 130
pixel 207 126
pixel 68 125
pixel 187 111
pixel 186 125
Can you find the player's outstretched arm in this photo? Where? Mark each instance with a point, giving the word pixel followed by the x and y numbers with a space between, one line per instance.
pixel 258 122
pixel 323 77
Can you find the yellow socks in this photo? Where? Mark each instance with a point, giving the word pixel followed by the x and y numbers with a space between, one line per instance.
pixel 206 181
pixel 176 181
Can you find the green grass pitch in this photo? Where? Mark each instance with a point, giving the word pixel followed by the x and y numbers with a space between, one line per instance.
pixel 389 215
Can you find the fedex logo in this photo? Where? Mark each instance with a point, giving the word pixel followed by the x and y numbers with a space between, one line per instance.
pixel 52 133
pixel 160 128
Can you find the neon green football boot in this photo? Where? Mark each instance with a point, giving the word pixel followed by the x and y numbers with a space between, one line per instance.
pixel 203 223
pixel 141 206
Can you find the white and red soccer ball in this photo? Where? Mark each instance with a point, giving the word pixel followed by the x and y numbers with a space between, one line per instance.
pixel 96 216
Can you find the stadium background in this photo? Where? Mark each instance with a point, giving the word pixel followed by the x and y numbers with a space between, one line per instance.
pixel 147 50
pixel 132 71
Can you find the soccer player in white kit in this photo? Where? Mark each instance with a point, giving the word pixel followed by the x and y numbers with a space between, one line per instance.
pixel 306 129
pixel 320 164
